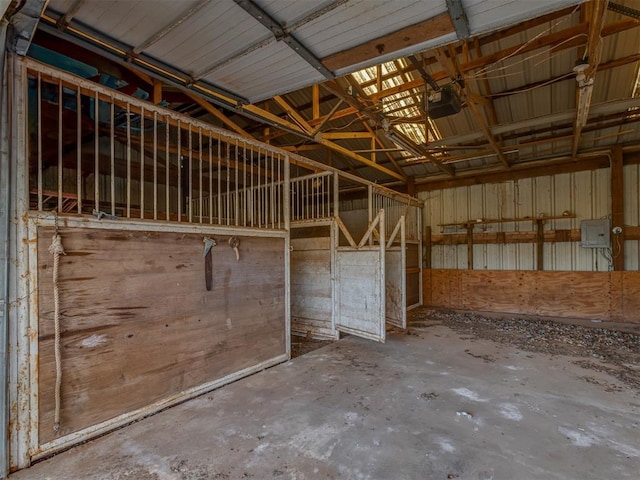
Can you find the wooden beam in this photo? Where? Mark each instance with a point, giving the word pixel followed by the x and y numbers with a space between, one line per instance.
pixel 483 176
pixel 292 112
pixel 565 39
pixel 585 79
pixel 315 94
pixel 617 207
pixel 379 142
pixel 359 158
pixel 451 66
pixel 405 37
pixel 157 92
pixel 540 243
pixel 469 246
pixel 346 135
pixel 218 114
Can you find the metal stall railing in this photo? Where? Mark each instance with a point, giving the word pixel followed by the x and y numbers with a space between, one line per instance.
pixel 114 155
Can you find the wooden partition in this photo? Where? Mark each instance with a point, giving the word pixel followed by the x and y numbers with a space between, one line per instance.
pixel 311 288
pixel 139 328
pixel 607 296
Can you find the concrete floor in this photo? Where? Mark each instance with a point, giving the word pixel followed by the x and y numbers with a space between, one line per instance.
pixel 430 405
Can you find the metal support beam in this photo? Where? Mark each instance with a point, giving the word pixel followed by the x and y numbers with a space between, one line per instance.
pixel 459 19
pixel 5 205
pixel 24 23
pixel 282 35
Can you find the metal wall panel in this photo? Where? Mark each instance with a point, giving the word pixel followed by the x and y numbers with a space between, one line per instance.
pixel 631 215
pixel 584 194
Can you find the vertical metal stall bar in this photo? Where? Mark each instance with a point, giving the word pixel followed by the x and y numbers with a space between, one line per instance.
pixel 245 192
pixel 258 194
pixel 322 182
pixel 286 201
pixel 281 186
pixel 112 146
pixel 190 177
pixel 210 179
pixel 39 88
pixel 128 160
pixel 272 187
pixel 236 193
pixel 228 206
pixel 142 162
pixel 200 198
pixel 167 168
pixel 336 195
pixel 78 151
pixel 179 171
pixel 60 168
pixel 370 205
pixel 250 205
pixel 155 165
pixel 219 180
pixel 96 153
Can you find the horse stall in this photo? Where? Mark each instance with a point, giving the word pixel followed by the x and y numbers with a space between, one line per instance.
pixel 156 257
pixel 345 277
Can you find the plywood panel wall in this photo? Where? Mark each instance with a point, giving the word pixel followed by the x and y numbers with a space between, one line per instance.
pixel 138 324
pixel 606 296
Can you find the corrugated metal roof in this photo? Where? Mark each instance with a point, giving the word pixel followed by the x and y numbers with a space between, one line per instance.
pixel 222 31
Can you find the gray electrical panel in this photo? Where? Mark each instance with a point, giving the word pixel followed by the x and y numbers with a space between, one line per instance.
pixel 595 233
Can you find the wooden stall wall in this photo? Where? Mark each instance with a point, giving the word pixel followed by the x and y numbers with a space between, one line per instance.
pixel 139 326
pixel 311 288
pixel 606 296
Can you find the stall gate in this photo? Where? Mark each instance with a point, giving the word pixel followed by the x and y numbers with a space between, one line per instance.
pixel 360 277
pixel 396 279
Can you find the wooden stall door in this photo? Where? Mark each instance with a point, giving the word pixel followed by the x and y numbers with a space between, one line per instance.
pixel 395 276
pixel 312 288
pixel 360 283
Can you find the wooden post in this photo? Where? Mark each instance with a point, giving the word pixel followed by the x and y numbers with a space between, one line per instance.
pixel 470 246
pixel 617 207
pixel 427 247
pixel 157 92
pixel 411 186
pixel 540 243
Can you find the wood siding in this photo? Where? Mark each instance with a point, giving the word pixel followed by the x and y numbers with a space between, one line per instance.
pixel 138 324
pixel 606 296
pixel 311 293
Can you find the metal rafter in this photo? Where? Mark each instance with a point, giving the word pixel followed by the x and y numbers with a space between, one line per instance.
pixel 459 19
pixel 281 34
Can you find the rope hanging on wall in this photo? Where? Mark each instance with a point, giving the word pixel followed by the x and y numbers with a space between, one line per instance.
pixel 56 250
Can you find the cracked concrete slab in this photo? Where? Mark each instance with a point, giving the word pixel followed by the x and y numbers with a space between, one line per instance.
pixel 418 407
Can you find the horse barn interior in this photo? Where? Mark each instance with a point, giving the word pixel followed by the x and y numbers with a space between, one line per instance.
pixel 354 239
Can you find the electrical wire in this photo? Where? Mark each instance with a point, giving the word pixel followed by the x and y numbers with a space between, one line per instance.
pixel 549 82
pixel 559 22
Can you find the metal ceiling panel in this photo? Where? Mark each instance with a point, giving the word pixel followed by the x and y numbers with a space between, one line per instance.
pixel 130 22
pixel 272 70
pixel 220 31
pixel 487 15
pixel 359 21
